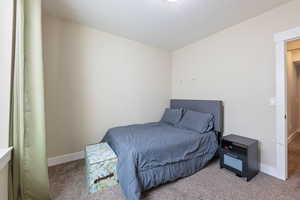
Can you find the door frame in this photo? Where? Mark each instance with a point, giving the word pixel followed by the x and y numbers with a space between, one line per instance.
pixel 281 39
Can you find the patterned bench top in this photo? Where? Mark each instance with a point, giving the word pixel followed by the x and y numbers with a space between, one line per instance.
pixel 96 153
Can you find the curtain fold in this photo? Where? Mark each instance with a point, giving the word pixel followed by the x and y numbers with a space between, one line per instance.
pixel 29 171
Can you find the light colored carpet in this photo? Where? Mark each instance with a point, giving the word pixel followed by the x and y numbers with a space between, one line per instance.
pixel 67 182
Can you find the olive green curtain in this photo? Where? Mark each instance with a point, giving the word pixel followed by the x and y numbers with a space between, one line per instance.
pixel 29 172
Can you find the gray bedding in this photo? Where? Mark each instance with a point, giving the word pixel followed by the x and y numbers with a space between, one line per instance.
pixel 155 153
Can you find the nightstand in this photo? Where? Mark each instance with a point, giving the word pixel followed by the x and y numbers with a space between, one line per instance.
pixel 239 155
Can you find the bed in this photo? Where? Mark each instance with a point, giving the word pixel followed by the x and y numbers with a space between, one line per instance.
pixel 155 153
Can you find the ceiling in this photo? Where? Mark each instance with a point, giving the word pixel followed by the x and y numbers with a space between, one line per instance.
pixel 158 22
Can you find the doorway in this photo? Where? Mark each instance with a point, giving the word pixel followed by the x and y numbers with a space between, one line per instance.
pixel 282 39
pixel 293 106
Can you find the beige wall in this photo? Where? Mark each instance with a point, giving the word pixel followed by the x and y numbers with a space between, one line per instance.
pixel 95 81
pixel 237 65
pixel 293 45
pixel 293 94
pixel 296 55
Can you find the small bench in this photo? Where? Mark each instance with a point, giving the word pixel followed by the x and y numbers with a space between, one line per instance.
pixel 101 164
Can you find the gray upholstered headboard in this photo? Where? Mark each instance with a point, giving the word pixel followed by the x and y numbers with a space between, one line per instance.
pixel 206 106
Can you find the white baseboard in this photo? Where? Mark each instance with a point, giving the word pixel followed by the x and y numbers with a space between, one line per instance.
pixel 267 169
pixel 293 135
pixel 65 158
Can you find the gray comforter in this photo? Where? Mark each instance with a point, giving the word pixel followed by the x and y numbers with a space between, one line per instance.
pixel 156 153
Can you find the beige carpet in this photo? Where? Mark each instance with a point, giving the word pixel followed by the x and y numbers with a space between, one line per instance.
pixel 68 182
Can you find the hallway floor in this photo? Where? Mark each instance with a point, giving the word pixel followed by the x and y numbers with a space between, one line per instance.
pixel 294 156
